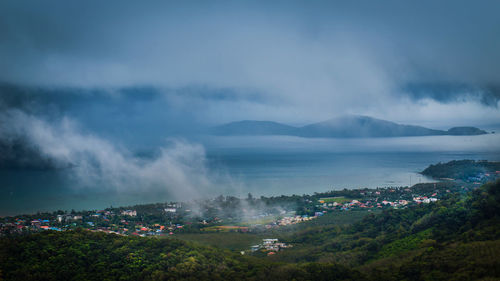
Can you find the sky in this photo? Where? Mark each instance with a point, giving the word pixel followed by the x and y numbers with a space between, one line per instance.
pixel 288 61
pixel 89 83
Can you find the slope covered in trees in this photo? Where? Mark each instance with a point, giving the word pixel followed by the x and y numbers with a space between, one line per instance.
pixel 457 238
pixel 453 239
pixel 84 255
pixel 463 170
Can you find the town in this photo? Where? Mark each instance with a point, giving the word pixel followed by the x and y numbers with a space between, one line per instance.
pixel 229 213
pixel 257 215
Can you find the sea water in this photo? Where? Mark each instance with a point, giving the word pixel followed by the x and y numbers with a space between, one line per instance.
pixel 266 166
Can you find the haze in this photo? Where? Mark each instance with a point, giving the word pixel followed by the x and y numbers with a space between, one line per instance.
pixel 97 85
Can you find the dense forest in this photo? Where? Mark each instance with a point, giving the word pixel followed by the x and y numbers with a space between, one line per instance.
pixel 83 255
pixel 452 239
pixel 457 238
pixel 466 170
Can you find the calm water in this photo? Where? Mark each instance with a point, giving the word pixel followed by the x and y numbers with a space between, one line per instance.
pixel 263 166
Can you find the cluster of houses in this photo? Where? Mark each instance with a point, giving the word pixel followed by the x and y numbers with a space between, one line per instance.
pixel 483 177
pixel 127 222
pixel 424 199
pixel 131 213
pixel 97 222
pixel 21 225
pixel 172 208
pixel 294 219
pixel 271 245
pixel 326 203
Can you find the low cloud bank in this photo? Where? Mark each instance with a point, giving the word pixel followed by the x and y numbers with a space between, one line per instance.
pixel 179 166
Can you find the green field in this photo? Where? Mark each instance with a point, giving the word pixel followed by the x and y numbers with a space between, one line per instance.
pixel 227 240
pixel 339 199
pixel 237 241
pixel 338 218
pixel 263 221
pixel 224 228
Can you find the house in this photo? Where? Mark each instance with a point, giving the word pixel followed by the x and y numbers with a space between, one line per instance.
pixel 129 213
pixel 269 241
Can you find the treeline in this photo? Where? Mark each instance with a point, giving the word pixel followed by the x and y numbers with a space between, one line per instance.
pixel 453 239
pixel 83 255
pixel 462 169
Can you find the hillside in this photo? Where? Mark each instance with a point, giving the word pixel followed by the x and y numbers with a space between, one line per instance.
pixel 453 239
pixel 342 127
pixel 83 255
pixel 248 127
pixel 465 131
pixel 362 126
pixel 456 238
pixel 466 170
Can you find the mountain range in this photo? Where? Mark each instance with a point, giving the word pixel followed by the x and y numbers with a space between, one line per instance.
pixel 352 126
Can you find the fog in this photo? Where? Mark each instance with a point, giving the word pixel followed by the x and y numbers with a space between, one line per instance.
pixel 177 167
pixel 120 94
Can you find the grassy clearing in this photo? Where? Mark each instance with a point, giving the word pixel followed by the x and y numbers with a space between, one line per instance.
pixel 227 240
pixel 263 221
pixel 338 218
pixel 224 228
pixel 339 199
pixel 227 236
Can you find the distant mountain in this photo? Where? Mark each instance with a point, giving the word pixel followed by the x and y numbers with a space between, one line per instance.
pixel 248 127
pixel 342 127
pixel 362 126
pixel 465 131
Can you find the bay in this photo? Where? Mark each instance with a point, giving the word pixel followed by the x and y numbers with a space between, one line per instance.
pixel 268 166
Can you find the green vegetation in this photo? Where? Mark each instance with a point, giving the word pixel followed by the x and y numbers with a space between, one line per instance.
pixel 403 245
pixel 224 228
pixel 466 170
pixel 335 218
pixel 454 238
pixel 227 240
pixel 461 236
pixel 339 199
pixel 83 255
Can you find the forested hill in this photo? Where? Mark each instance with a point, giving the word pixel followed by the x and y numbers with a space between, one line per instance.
pixel 468 170
pixel 84 255
pixel 457 238
pixel 453 239
pixel 350 126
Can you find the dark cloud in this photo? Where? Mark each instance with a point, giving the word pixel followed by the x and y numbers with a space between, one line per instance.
pixel 488 95
pixel 88 84
pixel 289 61
pixel 30 142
